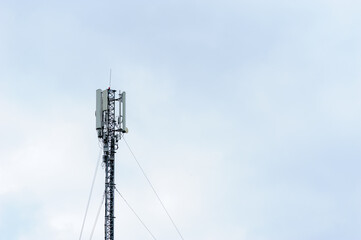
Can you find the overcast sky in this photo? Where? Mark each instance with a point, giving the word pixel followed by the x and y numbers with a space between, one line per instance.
pixel 244 114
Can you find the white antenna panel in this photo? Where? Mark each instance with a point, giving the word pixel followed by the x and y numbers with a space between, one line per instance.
pixel 99 110
pixel 105 100
pixel 124 127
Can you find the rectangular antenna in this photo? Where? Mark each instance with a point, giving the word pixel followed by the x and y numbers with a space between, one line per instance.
pixel 124 126
pixel 120 110
pixel 105 100
pixel 99 110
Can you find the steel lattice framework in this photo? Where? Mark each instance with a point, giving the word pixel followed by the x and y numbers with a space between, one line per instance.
pixel 110 131
pixel 110 139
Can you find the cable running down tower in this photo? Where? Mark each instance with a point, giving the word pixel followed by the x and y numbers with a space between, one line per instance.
pixel 110 124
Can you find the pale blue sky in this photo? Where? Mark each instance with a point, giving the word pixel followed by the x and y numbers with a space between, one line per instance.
pixel 245 115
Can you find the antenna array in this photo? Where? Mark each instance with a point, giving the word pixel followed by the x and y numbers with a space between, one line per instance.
pixel 109 129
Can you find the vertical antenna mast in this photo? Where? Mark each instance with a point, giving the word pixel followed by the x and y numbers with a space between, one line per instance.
pixel 109 131
pixel 110 78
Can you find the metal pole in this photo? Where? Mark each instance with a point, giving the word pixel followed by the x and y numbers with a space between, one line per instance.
pixel 109 140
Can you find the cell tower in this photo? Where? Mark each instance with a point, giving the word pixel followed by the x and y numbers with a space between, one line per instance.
pixel 110 127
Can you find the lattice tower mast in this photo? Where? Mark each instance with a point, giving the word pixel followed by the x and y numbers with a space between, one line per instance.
pixel 109 129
